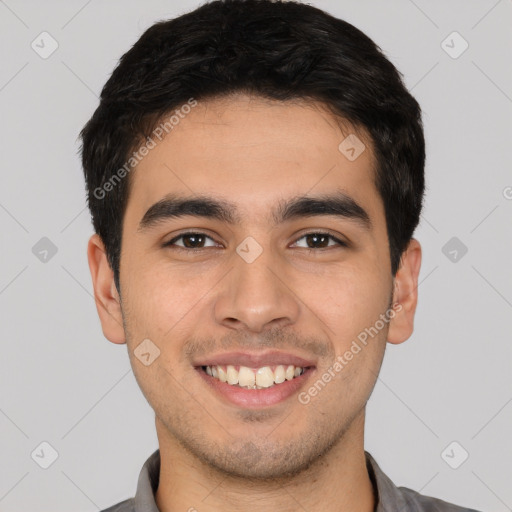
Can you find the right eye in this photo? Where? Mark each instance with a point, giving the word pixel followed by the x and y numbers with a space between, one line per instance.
pixel 191 240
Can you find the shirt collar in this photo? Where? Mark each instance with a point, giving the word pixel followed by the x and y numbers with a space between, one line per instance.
pixel 387 496
pixel 148 484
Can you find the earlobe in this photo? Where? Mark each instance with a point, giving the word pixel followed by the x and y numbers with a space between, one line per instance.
pixel 107 299
pixel 405 294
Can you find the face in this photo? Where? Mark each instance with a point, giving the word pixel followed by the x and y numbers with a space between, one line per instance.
pixel 269 279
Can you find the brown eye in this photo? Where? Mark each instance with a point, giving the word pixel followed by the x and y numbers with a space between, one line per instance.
pixel 190 241
pixel 319 240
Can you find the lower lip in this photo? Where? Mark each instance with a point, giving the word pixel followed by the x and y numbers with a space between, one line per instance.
pixel 256 398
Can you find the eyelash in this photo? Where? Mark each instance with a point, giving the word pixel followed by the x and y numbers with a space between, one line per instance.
pixel 170 243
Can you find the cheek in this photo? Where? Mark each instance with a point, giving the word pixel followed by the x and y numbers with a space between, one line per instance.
pixel 164 303
pixel 350 301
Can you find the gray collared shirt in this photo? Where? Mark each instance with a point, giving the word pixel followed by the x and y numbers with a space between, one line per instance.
pixel 389 497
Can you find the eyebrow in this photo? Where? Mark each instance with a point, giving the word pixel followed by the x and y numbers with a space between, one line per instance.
pixel 173 207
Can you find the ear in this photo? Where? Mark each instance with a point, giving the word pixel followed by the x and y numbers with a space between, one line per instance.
pixel 405 294
pixel 107 299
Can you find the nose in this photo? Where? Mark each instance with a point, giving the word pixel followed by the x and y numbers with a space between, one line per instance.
pixel 257 296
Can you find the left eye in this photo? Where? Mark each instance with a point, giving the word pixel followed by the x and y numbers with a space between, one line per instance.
pixel 321 239
pixel 197 240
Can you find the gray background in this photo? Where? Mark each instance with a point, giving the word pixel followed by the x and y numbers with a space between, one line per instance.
pixel 62 382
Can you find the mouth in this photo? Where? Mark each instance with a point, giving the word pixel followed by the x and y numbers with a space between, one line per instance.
pixel 255 381
pixel 254 378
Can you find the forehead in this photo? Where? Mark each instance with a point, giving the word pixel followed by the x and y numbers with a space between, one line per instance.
pixel 254 152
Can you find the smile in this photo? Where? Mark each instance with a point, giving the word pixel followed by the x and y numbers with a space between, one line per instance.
pixel 253 378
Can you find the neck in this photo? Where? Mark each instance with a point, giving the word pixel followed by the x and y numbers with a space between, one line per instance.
pixel 337 481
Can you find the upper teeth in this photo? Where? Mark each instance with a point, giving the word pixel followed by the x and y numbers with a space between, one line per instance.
pixel 254 378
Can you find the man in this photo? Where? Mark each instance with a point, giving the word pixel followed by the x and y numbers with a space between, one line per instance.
pixel 255 173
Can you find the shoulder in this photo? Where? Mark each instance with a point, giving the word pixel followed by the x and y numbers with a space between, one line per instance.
pixel 390 497
pixel 123 506
pixel 420 503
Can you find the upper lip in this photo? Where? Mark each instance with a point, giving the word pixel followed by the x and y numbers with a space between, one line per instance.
pixel 254 360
